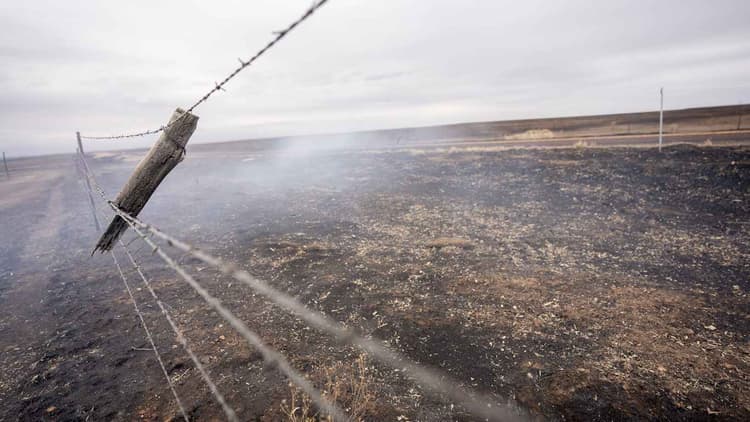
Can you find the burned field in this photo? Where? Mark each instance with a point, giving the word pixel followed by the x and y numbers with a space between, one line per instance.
pixel 580 283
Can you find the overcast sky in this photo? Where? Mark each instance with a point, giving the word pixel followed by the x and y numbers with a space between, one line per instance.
pixel 105 67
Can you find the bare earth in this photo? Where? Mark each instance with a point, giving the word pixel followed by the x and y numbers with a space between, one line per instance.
pixel 583 283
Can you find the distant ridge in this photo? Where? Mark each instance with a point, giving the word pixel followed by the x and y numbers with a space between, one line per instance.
pixel 688 120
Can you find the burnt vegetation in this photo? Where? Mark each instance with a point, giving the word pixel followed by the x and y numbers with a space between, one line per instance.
pixel 584 283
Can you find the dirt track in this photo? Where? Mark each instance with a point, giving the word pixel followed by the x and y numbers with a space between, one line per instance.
pixel 729 138
pixel 584 283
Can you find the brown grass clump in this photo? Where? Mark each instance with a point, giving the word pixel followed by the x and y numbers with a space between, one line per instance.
pixel 351 386
pixel 299 407
pixel 444 242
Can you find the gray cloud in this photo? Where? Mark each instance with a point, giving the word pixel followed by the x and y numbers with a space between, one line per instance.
pixel 103 67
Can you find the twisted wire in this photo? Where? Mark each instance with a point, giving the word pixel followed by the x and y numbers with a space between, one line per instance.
pixel 220 86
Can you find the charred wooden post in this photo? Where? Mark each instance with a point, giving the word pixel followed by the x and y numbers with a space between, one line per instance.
pixel 166 153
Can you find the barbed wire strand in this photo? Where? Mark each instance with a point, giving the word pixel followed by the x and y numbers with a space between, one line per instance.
pixel 479 404
pixel 271 356
pixel 150 339
pixel 231 415
pixel 220 86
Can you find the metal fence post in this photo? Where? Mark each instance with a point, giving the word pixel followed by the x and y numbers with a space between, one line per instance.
pixel 85 169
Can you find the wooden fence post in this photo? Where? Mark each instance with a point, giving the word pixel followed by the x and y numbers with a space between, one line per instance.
pixel 80 144
pixel 163 156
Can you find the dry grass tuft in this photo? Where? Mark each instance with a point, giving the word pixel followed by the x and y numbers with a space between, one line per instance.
pixel 299 407
pixel 444 242
pixel 351 386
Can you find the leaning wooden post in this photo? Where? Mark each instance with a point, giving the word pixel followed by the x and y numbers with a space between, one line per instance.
pixel 166 153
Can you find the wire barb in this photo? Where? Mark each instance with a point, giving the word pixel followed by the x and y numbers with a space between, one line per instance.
pixel 220 86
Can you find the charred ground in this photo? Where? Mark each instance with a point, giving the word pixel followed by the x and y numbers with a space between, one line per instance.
pixel 583 283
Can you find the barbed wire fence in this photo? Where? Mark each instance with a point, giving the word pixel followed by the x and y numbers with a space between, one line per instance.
pixel 481 405
pixel 87 177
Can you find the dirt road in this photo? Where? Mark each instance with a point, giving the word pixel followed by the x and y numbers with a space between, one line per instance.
pixel 727 138
pixel 61 331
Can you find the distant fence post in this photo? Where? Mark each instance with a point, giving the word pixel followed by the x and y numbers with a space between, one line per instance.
pixel 661 115
pixel 5 163
pixel 80 144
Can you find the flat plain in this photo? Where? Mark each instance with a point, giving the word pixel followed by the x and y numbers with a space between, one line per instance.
pixel 581 283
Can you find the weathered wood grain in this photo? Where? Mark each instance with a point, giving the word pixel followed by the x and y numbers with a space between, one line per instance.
pixel 166 153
